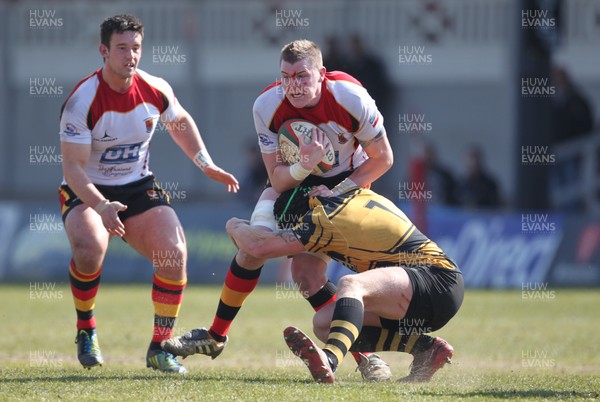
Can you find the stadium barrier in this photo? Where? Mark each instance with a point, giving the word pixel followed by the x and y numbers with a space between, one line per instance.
pixel 493 249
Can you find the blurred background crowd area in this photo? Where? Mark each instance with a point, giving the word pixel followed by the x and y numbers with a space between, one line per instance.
pixel 489 105
pixel 447 75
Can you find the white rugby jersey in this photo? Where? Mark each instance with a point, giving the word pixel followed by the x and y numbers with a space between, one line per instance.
pixel 346 113
pixel 119 126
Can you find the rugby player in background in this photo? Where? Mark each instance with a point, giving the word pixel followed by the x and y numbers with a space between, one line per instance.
pixel 108 189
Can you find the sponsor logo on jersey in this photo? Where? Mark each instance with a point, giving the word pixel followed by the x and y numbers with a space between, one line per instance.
pixel 373 119
pixel 113 171
pixel 124 153
pixel 70 130
pixel 105 138
pixel 265 140
pixel 149 122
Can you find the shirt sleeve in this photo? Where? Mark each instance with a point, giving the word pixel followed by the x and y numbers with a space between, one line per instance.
pixel 267 140
pixel 370 119
pixel 73 122
pixel 357 101
pixel 174 108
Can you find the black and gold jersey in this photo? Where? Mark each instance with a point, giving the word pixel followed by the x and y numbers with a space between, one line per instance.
pixel 364 230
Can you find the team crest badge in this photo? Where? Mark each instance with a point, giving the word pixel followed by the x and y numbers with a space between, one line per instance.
pixel 340 132
pixel 153 195
pixel 149 124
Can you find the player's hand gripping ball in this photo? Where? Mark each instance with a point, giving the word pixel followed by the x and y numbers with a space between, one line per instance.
pixel 295 130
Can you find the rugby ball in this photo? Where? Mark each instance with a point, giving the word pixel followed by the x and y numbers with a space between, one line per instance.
pixel 291 133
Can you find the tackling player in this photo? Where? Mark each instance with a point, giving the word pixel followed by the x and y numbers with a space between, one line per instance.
pixel 342 108
pixel 106 126
pixel 405 288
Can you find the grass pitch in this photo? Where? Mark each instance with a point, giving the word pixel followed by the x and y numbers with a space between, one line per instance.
pixel 508 345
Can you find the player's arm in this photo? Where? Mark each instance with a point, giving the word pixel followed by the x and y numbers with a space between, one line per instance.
pixel 283 176
pixel 74 160
pixel 372 137
pixel 261 242
pixel 186 135
pixel 381 159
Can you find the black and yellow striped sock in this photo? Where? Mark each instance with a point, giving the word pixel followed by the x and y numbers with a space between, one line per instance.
pixel 389 340
pixel 345 326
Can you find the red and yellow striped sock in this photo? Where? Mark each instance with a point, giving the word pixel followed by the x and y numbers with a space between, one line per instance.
pixel 84 289
pixel 239 283
pixel 167 295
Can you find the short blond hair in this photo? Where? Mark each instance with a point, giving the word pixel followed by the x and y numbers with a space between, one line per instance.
pixel 302 49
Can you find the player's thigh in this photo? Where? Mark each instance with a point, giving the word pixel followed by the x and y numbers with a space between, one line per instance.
pixel 158 235
pixel 386 292
pixel 309 272
pixel 88 238
pixel 268 194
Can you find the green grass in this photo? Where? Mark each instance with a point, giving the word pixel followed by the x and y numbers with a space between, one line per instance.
pixel 507 348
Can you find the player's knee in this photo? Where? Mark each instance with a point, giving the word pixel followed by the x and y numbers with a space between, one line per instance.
pixel 170 263
pixel 88 264
pixel 350 286
pixel 88 256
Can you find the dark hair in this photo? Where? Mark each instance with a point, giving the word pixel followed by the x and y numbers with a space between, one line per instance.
pixel 119 24
pixel 291 206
